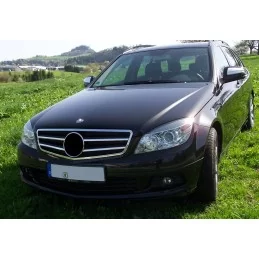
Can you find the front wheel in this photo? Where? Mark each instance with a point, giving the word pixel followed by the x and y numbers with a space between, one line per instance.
pixel 207 189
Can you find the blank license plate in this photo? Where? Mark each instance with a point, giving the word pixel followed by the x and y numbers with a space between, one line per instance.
pixel 73 173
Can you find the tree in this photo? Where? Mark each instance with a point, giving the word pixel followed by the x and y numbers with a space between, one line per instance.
pixel 192 41
pixel 248 44
pixel 141 46
pixel 251 45
pixel 241 48
pixel 257 46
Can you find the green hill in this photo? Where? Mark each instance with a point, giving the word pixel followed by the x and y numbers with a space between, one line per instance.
pixel 81 55
pixel 97 57
pixel 78 51
pixel 58 60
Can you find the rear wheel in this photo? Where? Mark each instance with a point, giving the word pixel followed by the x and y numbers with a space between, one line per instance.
pixel 207 189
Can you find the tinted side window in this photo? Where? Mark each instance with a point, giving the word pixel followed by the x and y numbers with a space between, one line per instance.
pixel 231 59
pixel 239 62
pixel 220 59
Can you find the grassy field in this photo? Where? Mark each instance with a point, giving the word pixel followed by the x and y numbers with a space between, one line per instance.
pixel 239 169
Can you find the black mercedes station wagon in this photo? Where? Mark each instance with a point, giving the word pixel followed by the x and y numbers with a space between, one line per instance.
pixel 154 123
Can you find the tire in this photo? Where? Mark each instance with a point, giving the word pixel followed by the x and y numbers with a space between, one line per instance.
pixel 207 188
pixel 251 116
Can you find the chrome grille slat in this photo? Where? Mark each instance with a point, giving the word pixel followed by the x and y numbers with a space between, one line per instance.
pixel 58 139
pixel 103 149
pixel 53 147
pixel 105 140
pixel 85 130
pixel 98 143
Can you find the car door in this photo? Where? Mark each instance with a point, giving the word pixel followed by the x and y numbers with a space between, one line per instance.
pixel 240 106
pixel 245 86
pixel 227 101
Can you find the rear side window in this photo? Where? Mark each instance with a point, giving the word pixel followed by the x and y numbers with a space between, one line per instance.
pixel 220 59
pixel 231 58
pixel 239 62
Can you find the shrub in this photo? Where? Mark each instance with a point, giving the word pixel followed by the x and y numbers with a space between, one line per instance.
pixel 70 68
pixel 15 78
pixel 37 76
pixel 88 70
pixel 50 75
pixel 4 77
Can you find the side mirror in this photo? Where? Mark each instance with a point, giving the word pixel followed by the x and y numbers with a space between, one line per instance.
pixel 232 74
pixel 88 80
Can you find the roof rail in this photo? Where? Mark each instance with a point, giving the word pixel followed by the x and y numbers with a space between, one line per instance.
pixel 214 41
pixel 138 47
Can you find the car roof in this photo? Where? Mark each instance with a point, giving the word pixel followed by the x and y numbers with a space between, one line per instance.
pixel 175 46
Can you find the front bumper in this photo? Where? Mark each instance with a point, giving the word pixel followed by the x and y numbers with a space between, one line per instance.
pixel 129 177
pixel 176 192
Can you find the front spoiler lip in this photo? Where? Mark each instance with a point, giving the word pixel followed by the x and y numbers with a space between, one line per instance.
pixel 176 192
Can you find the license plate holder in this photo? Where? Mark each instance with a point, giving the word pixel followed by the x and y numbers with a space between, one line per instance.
pixel 76 173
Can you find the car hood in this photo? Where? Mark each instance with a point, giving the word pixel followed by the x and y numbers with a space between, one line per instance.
pixel 139 108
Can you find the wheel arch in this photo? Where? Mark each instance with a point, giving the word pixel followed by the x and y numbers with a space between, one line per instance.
pixel 211 119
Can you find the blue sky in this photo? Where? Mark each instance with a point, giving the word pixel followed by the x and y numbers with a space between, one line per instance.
pixel 14 49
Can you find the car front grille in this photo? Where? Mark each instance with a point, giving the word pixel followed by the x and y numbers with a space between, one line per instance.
pixel 79 144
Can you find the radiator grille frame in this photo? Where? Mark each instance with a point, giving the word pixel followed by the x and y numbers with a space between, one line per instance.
pixel 122 150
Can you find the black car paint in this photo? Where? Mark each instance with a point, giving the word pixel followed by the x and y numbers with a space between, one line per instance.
pixel 223 106
pixel 107 108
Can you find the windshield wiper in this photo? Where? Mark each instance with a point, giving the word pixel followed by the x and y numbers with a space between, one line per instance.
pixel 103 86
pixel 140 83
pixel 153 82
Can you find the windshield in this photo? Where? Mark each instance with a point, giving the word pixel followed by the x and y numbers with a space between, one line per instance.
pixel 181 65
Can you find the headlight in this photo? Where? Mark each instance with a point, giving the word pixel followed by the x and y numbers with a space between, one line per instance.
pixel 167 136
pixel 28 136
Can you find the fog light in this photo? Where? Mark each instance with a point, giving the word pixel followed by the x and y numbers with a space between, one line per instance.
pixel 167 181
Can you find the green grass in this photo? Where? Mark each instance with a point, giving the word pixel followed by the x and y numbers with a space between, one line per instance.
pixel 239 169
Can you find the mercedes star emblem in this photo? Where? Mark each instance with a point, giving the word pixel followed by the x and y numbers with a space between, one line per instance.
pixel 79 121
